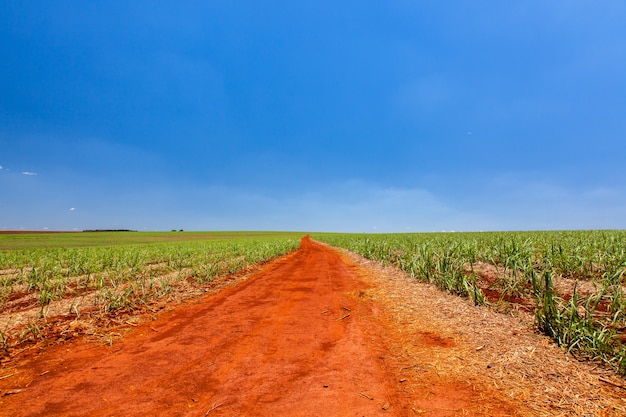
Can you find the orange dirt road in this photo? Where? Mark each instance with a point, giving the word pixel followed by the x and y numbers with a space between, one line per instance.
pixel 296 339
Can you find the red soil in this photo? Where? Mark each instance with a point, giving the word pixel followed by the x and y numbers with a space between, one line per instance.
pixel 296 339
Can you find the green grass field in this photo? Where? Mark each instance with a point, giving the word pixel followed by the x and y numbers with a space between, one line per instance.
pixel 573 281
pixel 13 241
pixel 96 276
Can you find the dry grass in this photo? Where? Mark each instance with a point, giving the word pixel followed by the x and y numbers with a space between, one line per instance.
pixel 480 346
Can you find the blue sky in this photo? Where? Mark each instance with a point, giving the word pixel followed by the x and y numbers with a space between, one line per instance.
pixel 320 116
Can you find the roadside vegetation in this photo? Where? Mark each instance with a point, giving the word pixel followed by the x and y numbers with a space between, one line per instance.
pixel 67 277
pixel 572 281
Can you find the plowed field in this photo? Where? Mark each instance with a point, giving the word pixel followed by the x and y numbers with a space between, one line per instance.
pixel 308 335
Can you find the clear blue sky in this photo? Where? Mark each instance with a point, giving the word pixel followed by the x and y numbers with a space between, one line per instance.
pixel 320 116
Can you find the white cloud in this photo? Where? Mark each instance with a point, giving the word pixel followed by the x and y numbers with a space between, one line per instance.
pixel 350 206
pixel 0 167
pixel 29 173
pixel 506 203
pixel 517 201
pixel 526 202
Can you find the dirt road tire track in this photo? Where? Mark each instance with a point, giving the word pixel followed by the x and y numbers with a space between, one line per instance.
pixel 299 338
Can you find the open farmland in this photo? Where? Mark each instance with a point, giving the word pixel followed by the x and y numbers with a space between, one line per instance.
pixel 91 280
pixel 318 331
pixel 572 281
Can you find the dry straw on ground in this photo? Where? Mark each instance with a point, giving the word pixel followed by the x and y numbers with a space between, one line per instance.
pixel 481 346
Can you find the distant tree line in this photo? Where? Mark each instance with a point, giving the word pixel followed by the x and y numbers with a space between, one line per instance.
pixel 109 230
